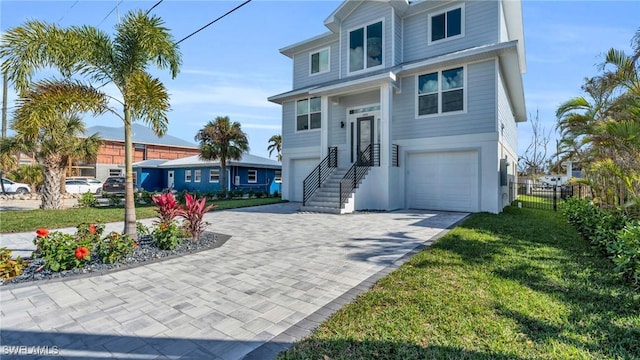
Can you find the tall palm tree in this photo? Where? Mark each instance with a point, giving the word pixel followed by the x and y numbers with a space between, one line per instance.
pixel 275 143
pixel 46 123
pixel 222 140
pixel 140 40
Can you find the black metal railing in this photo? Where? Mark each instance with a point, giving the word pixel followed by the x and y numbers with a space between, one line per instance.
pixel 395 151
pixel 367 158
pixel 544 197
pixel 315 179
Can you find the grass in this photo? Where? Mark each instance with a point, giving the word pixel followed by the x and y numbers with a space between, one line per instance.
pixel 518 285
pixel 30 220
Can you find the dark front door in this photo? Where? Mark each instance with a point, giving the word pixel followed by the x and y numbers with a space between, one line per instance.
pixel 364 139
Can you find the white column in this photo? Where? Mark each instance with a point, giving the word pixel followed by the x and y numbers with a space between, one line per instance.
pixel 386 93
pixel 324 126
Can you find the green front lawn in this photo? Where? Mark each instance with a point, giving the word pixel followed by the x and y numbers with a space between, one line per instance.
pixel 30 220
pixel 519 285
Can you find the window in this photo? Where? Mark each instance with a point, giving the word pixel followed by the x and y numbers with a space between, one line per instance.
pixel 252 176
pixel 214 175
pixel 447 24
pixel 135 178
pixel 441 92
pixel 278 176
pixel 187 175
pixel 308 114
pixel 197 174
pixel 115 172
pixel 365 47
pixel 320 61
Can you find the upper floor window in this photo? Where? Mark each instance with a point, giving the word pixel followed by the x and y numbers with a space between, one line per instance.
pixel 441 92
pixel 320 61
pixel 447 24
pixel 365 47
pixel 308 114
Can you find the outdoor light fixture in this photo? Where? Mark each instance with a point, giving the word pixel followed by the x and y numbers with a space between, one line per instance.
pixel 342 124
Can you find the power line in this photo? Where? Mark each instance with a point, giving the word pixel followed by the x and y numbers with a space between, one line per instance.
pixel 214 21
pixel 110 12
pixel 156 4
pixel 69 9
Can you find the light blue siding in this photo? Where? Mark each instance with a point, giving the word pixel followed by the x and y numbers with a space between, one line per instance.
pixel 291 138
pixel 337 134
pixel 302 64
pixel 397 32
pixel 480 116
pixel 367 13
pixel 505 117
pixel 481 23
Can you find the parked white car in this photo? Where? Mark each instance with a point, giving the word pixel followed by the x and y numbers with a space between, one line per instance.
pixel 77 185
pixel 15 187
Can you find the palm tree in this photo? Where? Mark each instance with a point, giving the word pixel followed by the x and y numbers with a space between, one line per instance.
pixel 222 140
pixel 275 143
pixel 140 40
pixel 46 123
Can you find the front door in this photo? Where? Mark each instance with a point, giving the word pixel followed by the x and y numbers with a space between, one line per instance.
pixel 170 179
pixel 364 139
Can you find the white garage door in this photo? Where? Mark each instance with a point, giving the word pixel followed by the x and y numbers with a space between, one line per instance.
pixel 443 181
pixel 300 169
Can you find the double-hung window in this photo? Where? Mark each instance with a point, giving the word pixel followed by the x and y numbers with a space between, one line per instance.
pixel 447 24
pixel 214 175
pixel 252 176
pixel 366 47
pixel 197 175
pixel 441 92
pixel 187 175
pixel 320 61
pixel 308 114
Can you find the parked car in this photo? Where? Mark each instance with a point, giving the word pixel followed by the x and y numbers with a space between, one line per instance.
pixel 114 185
pixel 94 184
pixel 81 186
pixel 15 187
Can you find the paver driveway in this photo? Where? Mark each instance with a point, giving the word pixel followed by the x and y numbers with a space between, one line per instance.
pixel 280 274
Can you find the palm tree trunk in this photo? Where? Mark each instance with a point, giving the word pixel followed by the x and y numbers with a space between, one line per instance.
pixel 223 168
pixel 51 196
pixel 129 203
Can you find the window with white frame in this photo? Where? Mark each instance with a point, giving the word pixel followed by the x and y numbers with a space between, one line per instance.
pixel 115 172
pixel 320 61
pixel 278 176
pixel 214 175
pixel 447 24
pixel 441 92
pixel 197 175
pixel 366 47
pixel 135 178
pixel 308 114
pixel 252 176
pixel 187 175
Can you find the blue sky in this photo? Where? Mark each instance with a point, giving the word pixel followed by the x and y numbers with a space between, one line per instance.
pixel 231 67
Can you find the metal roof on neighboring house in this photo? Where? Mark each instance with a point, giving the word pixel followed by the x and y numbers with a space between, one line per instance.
pixel 141 135
pixel 149 163
pixel 247 160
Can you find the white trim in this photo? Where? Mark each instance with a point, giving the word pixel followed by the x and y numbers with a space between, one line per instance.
pixel 295 122
pixel 197 175
pixel 249 176
pixel 211 173
pixel 311 53
pixel 440 112
pixel 187 175
pixel 364 50
pixel 446 38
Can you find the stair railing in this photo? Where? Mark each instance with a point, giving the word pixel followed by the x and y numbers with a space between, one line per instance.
pixel 366 159
pixel 315 179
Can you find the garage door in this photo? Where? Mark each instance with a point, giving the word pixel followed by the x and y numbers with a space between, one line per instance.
pixel 300 169
pixel 443 181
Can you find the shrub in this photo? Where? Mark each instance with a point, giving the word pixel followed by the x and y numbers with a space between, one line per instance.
pixel 251 193
pixel 276 194
pixel 146 196
pixel 142 229
pixel 168 207
pixel 89 232
pixel 114 247
pixel 194 214
pixel 259 194
pixel 167 235
pixel 114 200
pixel 61 251
pixel 10 268
pixel 626 252
pixel 87 200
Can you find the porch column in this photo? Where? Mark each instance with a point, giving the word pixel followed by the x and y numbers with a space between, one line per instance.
pixel 386 93
pixel 324 126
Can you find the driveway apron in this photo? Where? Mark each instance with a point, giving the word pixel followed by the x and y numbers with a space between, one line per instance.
pixel 281 273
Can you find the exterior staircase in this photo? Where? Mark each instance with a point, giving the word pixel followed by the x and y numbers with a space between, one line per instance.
pixel 327 197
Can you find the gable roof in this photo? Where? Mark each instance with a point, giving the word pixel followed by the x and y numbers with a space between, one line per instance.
pixel 141 135
pixel 247 160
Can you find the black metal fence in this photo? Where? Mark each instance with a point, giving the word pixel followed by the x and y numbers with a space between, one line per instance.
pixel 548 197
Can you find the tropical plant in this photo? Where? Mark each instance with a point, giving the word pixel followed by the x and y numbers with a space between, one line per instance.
pixel 62 251
pixel 194 215
pixel 275 143
pixel 87 200
pixel 168 207
pixel 222 140
pixel 140 40
pixel 32 174
pixel 10 267
pixel 114 247
pixel 167 236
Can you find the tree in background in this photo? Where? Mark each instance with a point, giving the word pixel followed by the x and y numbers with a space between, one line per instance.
pixel 275 143
pixel 46 123
pixel 534 159
pixel 222 140
pixel 140 40
pixel 32 174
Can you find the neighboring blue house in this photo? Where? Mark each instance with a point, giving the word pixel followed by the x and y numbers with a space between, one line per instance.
pixel 194 174
pixel 411 104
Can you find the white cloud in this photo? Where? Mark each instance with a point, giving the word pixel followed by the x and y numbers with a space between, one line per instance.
pixel 222 94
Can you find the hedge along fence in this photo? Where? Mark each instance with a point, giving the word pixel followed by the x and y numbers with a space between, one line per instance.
pixel 611 230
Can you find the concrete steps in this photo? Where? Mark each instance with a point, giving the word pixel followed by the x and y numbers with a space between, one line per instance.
pixel 327 197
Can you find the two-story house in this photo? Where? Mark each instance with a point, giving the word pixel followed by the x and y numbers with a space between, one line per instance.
pixel 406 105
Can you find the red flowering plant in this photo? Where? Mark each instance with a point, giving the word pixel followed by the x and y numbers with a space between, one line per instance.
pixel 113 247
pixel 194 215
pixel 91 232
pixel 167 235
pixel 168 207
pixel 81 253
pixel 61 251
